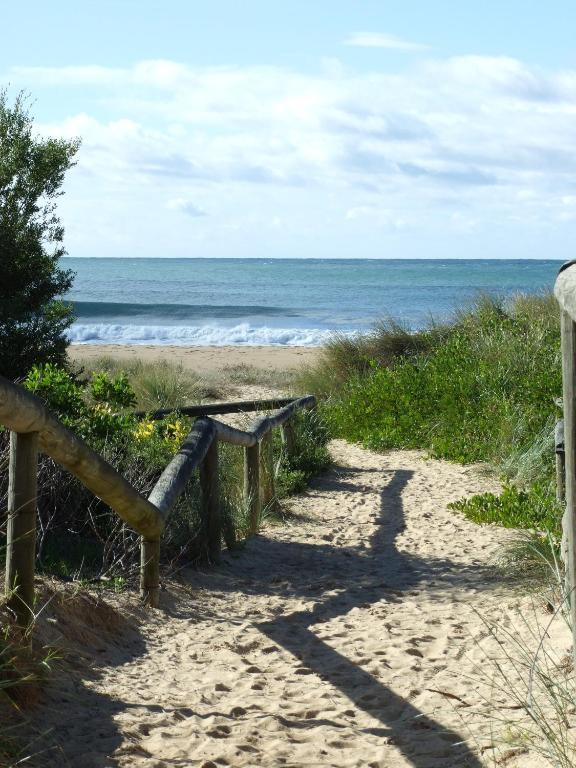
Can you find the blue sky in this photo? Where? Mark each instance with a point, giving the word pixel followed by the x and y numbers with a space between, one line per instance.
pixel 304 129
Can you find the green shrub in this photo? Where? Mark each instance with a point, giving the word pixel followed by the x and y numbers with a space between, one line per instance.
pixel 71 402
pixel 291 482
pixel 535 508
pixel 310 457
pixel 346 357
pixel 57 389
pixel 115 391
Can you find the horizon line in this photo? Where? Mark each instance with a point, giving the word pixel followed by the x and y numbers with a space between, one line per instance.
pixel 320 258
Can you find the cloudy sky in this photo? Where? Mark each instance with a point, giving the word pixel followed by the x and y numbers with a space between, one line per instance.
pixel 309 128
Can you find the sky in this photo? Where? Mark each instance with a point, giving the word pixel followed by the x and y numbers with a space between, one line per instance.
pixel 340 128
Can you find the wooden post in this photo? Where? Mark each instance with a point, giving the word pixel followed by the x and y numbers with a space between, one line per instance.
pixel 569 397
pixel 252 485
pixel 288 438
pixel 21 534
pixel 150 571
pixel 210 500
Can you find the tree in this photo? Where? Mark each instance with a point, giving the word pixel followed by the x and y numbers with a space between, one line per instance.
pixel 33 318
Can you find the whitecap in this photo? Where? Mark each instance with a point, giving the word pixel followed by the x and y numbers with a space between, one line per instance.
pixel 206 335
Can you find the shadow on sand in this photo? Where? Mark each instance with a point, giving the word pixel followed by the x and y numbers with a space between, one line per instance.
pixel 375 571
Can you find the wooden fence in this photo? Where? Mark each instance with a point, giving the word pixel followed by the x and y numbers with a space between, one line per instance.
pixel 34 428
pixel 565 292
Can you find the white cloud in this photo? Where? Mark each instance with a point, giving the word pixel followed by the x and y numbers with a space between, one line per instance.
pixel 458 144
pixel 381 40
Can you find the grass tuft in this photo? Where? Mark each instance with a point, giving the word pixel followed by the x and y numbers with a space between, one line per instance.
pixel 23 668
pixel 159 384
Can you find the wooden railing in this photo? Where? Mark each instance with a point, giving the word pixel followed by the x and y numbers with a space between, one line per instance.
pixel 34 428
pixel 565 292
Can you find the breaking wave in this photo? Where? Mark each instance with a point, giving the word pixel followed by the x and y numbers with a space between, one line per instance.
pixel 205 336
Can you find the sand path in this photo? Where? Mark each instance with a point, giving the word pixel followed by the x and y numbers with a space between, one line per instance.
pixel 346 637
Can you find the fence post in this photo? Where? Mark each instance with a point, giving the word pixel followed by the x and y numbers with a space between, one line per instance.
pixel 209 482
pixel 569 394
pixel 288 438
pixel 252 485
pixel 150 571
pixel 21 534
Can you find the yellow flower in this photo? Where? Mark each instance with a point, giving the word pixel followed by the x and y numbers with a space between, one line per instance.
pixel 144 430
pixel 176 432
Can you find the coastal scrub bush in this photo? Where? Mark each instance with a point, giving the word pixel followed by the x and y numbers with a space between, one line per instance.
pixel 95 420
pixel 78 534
pixel 535 508
pixel 117 391
pixel 346 357
pixel 33 320
pixel 482 393
pixel 57 389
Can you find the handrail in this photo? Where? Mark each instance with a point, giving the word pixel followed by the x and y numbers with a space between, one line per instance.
pixel 565 288
pixel 172 481
pixel 263 425
pixel 24 413
pixel 26 416
pixel 214 409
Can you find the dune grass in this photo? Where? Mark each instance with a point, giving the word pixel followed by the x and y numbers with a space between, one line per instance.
pixel 23 667
pixel 159 384
pixel 170 385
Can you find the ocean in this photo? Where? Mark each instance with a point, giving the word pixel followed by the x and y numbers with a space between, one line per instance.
pixel 294 302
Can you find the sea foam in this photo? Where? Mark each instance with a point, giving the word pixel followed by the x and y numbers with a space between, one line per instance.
pixel 205 336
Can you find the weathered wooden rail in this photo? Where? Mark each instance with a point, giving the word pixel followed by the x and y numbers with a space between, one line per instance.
pixel 565 292
pixel 34 428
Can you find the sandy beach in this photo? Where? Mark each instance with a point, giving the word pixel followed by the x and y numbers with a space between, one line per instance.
pixel 202 359
pixel 353 635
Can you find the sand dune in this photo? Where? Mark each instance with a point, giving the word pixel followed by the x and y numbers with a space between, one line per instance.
pixel 353 635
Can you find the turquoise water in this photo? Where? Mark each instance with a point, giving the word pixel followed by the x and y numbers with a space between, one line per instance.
pixel 268 301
